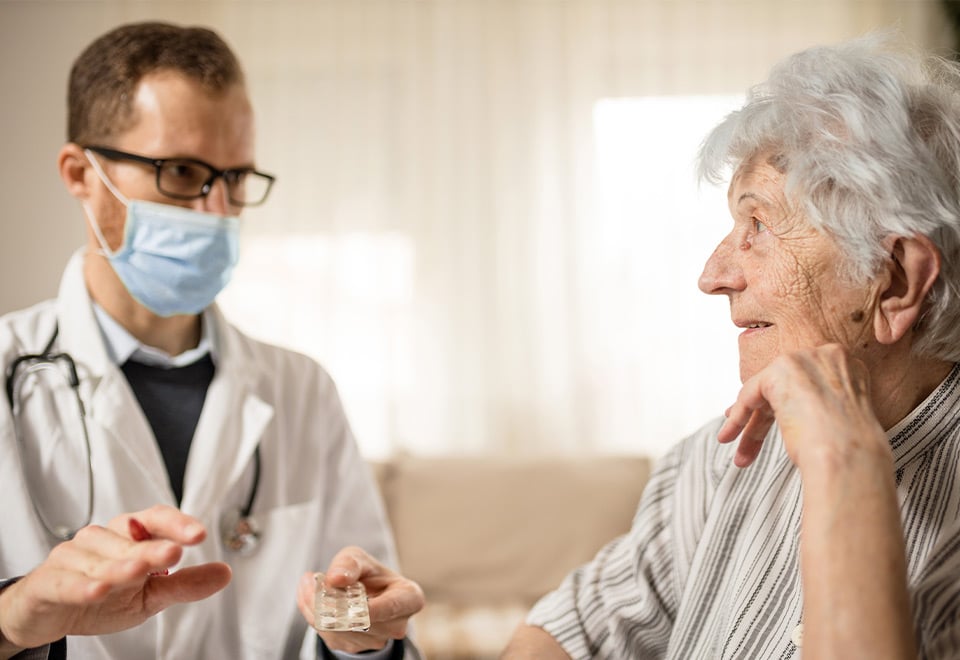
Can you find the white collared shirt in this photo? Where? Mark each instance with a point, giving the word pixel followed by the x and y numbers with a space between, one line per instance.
pixel 122 346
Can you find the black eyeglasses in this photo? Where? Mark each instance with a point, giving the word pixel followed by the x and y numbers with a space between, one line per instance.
pixel 189 178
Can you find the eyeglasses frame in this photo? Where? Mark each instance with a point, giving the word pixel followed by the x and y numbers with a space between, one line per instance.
pixel 216 173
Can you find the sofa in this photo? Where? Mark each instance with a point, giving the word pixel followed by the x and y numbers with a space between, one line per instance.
pixel 486 536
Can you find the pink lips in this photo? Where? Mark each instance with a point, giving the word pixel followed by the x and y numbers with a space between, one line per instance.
pixel 750 327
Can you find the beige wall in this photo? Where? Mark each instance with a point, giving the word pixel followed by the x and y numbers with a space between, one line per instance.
pixel 733 44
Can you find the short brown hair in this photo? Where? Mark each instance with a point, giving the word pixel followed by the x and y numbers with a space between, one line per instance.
pixel 105 76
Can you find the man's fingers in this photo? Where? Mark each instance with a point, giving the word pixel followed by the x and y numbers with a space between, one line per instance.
pixel 102 553
pixel 391 610
pixel 392 600
pixel 187 585
pixel 306 592
pixel 352 565
pixel 399 603
pixel 163 522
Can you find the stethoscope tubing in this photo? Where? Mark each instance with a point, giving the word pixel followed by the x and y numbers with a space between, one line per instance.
pixel 47 359
pixel 46 355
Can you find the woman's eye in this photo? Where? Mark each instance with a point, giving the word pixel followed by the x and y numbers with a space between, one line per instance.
pixel 758 226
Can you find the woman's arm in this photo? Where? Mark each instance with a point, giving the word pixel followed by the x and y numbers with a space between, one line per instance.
pixel 853 560
pixel 852 551
pixel 532 642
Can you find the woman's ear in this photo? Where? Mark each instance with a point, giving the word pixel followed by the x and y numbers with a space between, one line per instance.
pixel 74 170
pixel 914 266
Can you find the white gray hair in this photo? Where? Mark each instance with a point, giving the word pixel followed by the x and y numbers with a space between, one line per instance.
pixel 868 136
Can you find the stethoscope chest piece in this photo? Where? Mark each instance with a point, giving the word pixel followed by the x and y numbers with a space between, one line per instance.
pixel 238 530
pixel 240 533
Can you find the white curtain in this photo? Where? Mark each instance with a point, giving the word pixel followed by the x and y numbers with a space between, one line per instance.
pixel 457 232
pixel 440 238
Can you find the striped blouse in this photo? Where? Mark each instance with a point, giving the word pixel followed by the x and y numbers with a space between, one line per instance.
pixel 710 568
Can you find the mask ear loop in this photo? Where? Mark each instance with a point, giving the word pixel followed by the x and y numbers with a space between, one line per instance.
pixel 106 180
pixel 91 218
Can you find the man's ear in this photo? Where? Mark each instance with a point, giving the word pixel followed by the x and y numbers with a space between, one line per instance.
pixel 74 169
pixel 912 269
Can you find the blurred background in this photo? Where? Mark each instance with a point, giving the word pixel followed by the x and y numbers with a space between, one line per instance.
pixel 486 224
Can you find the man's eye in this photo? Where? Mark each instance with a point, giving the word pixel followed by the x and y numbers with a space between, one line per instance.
pixel 758 226
pixel 235 177
pixel 183 172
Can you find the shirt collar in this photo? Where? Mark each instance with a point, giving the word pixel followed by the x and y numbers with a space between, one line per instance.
pixel 122 346
pixel 925 427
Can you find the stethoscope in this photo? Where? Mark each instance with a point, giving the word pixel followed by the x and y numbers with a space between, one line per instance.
pixel 238 530
pixel 21 367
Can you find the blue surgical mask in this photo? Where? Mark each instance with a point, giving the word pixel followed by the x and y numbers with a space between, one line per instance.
pixel 173 260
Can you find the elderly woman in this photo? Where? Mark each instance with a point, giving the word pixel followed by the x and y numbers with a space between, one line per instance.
pixel 831 527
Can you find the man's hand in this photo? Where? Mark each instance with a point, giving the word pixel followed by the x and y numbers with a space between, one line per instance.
pixel 393 599
pixel 103 581
pixel 821 399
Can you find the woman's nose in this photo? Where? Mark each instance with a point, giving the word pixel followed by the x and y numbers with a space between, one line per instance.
pixel 722 273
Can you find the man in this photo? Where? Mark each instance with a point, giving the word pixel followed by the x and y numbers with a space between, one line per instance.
pixel 833 526
pixel 202 464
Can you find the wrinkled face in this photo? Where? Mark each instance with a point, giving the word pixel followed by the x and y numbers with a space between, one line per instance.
pixel 782 277
pixel 175 117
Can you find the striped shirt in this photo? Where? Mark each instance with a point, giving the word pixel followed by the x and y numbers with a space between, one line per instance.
pixel 710 567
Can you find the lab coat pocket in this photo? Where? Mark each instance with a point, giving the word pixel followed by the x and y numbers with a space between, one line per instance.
pixel 266 580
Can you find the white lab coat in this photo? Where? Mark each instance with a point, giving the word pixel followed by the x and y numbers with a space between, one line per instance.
pixel 315 496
